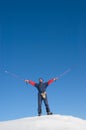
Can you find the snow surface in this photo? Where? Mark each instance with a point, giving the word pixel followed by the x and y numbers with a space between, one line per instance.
pixel 51 122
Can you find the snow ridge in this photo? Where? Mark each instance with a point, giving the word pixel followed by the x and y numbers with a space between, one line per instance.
pixel 51 122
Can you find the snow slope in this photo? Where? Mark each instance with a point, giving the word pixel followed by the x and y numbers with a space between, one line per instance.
pixel 51 122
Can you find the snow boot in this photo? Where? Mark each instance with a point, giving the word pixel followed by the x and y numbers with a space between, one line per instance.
pixel 49 113
pixel 39 114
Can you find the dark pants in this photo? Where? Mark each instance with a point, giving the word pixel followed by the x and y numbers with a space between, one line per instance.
pixel 40 99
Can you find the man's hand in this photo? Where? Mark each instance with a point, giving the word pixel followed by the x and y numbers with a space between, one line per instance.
pixel 26 81
pixel 55 79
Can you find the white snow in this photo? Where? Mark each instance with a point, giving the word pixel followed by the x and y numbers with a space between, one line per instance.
pixel 51 122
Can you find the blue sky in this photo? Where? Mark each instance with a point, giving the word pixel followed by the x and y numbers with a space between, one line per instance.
pixel 42 39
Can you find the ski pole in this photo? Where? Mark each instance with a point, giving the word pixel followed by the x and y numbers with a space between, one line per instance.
pixel 14 75
pixel 64 73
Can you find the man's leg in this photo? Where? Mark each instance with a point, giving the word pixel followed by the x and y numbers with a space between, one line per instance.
pixel 47 105
pixel 39 104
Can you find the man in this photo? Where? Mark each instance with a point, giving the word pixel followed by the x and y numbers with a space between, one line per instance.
pixel 42 95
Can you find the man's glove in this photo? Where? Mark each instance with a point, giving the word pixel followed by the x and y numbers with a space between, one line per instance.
pixel 55 79
pixel 27 81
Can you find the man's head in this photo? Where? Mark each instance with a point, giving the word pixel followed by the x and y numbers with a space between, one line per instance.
pixel 41 80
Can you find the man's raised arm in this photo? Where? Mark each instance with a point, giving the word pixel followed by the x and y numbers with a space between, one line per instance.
pixel 30 82
pixel 52 80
